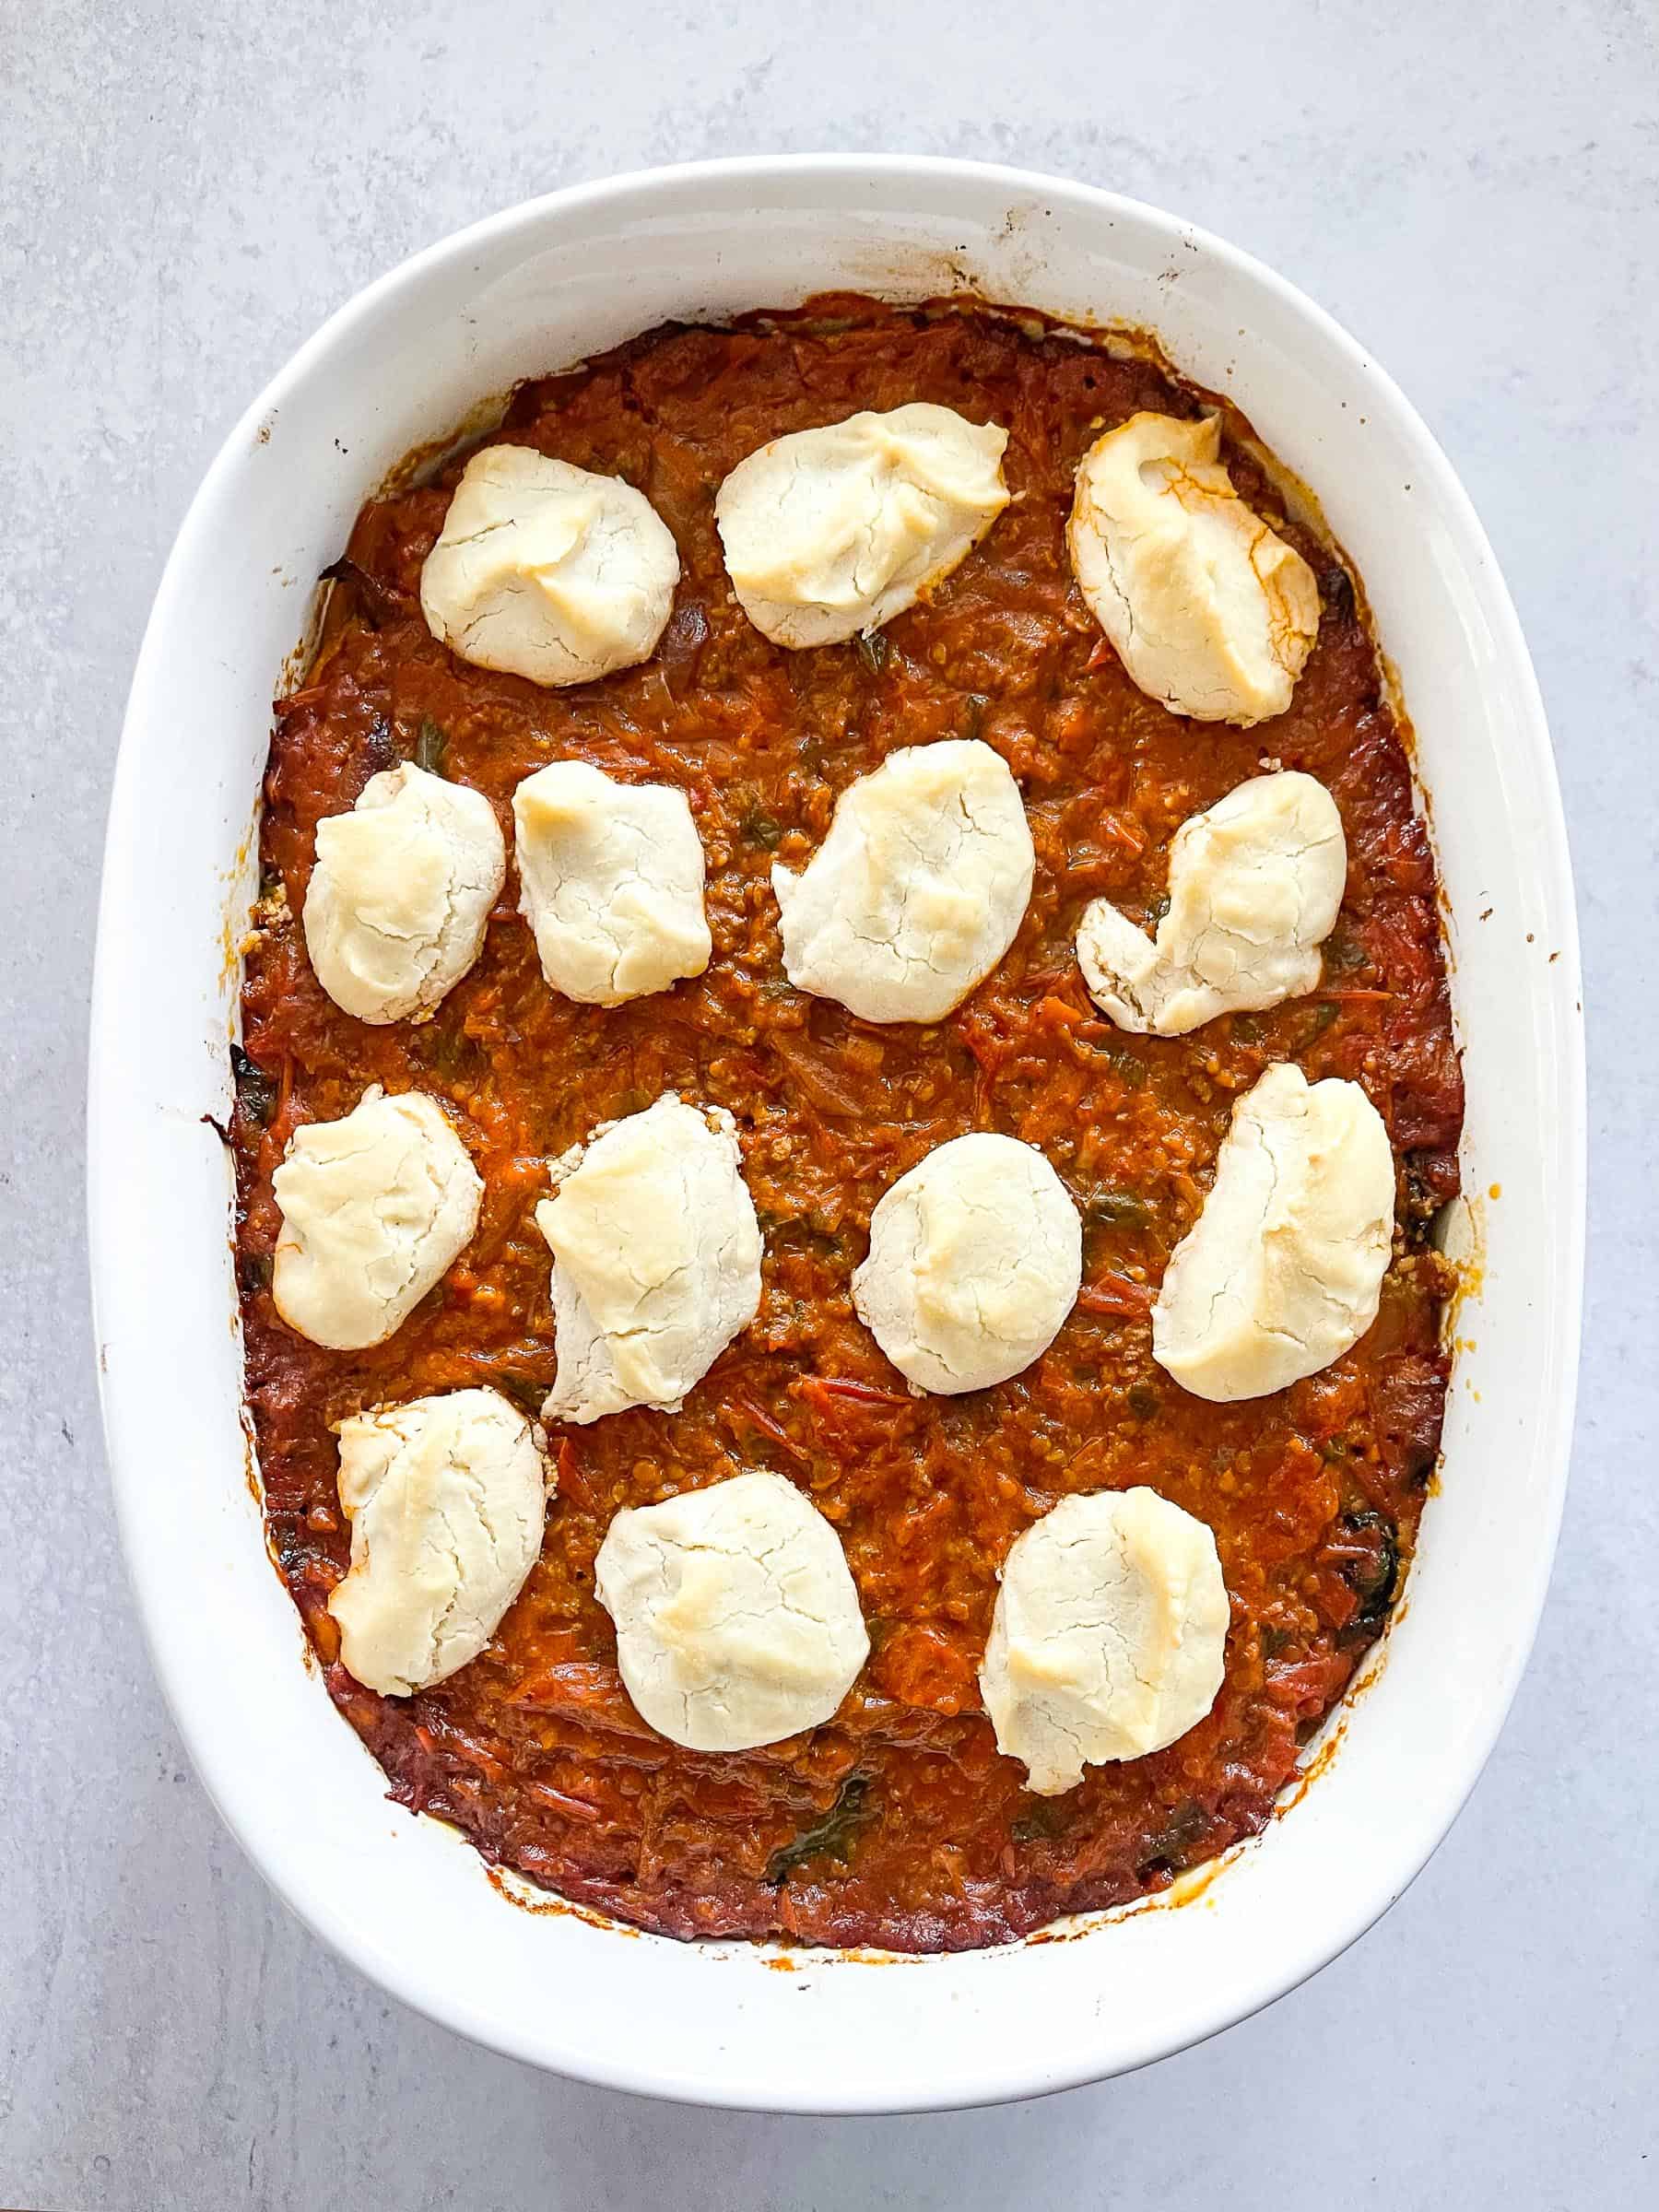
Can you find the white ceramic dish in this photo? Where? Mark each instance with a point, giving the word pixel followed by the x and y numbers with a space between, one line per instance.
pixel 535 290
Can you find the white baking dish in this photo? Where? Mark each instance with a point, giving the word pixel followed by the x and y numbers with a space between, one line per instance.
pixel 532 291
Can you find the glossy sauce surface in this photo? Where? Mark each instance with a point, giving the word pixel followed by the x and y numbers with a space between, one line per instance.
pixel 897 1823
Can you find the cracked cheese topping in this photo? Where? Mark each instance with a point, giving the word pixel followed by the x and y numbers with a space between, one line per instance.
pixel 1211 611
pixel 375 1208
pixel 611 881
pixel 446 1498
pixel 399 899
pixel 1109 1636
pixel 656 1259
pixel 548 572
pixel 1254 887
pixel 975 1260
pixel 833 531
pixel 1282 1270
pixel 919 888
pixel 738 1622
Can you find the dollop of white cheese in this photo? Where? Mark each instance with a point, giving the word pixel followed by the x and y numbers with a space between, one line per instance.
pixel 1254 887
pixel 375 1208
pixel 400 895
pixel 975 1259
pixel 1109 1637
pixel 919 888
pixel 611 878
pixel 548 572
pixel 1209 609
pixel 835 530
pixel 1282 1270
pixel 738 1622
pixel 446 1497
pixel 656 1259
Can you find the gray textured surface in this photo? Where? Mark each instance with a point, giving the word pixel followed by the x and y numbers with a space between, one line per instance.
pixel 1474 190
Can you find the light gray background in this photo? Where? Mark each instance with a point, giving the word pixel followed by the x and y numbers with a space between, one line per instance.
pixel 1474 189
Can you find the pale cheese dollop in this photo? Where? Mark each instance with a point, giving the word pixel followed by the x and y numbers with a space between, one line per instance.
pixel 737 1621
pixel 546 571
pixel 975 1259
pixel 1256 883
pixel 446 1497
pixel 375 1208
pixel 611 882
pixel 919 888
pixel 831 531
pixel 1109 1636
pixel 1282 1271
pixel 1209 609
pixel 656 1259
pixel 400 896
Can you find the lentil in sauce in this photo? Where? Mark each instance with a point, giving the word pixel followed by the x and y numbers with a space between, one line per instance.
pixel 897 1823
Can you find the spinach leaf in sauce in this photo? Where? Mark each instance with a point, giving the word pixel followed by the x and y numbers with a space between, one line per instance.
pixel 376 602
pixel 430 746
pixel 444 1045
pixel 1176 1845
pixel 255 1090
pixel 526 1391
pixel 756 827
pixel 1374 1580
pixel 1043 1820
pixel 830 1838
pixel 1107 1207
pixel 872 648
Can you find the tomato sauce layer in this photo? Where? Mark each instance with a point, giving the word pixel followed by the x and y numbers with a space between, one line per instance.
pixel 897 1823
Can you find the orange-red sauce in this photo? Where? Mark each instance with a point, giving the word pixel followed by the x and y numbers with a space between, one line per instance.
pixel 897 1823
